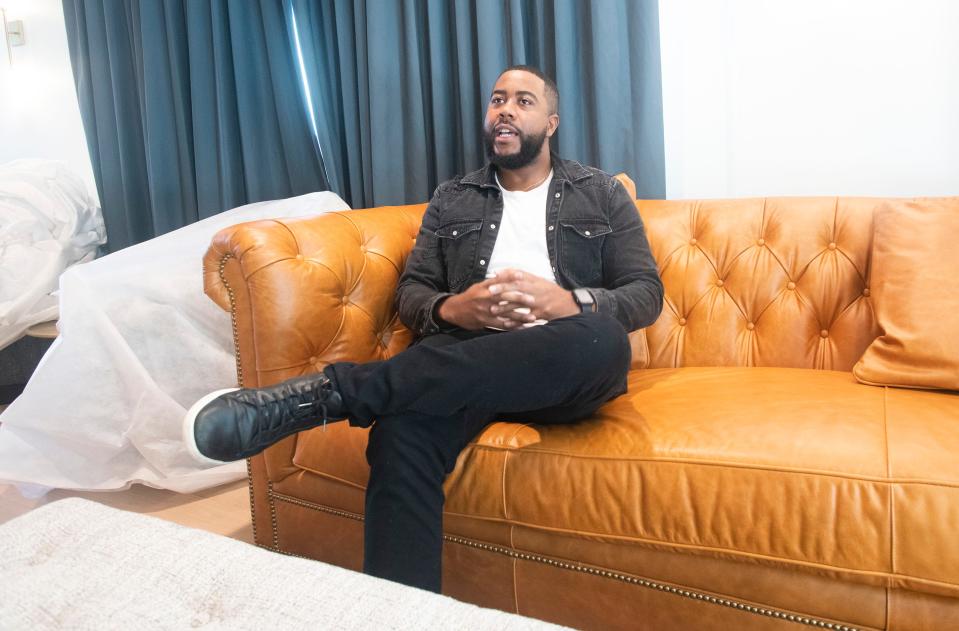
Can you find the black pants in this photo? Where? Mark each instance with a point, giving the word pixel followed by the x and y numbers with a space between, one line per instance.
pixel 429 401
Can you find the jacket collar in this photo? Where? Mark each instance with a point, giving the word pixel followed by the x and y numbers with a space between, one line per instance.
pixel 567 170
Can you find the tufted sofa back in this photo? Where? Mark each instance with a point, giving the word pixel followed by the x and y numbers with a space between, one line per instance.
pixel 749 282
pixel 762 282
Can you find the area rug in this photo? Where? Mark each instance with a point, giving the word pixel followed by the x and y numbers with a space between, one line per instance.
pixel 76 564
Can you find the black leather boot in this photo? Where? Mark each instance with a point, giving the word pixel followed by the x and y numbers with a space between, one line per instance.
pixel 234 424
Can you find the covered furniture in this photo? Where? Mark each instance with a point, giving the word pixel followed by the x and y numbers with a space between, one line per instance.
pixel 746 480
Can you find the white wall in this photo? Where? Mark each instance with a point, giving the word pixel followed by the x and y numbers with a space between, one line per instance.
pixel 810 97
pixel 39 114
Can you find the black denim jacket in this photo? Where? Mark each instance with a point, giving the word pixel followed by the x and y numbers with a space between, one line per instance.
pixel 594 236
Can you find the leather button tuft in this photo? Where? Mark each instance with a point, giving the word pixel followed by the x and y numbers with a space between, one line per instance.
pixel 313 359
pixel 720 283
pixel 790 285
pixel 761 242
pixel 693 242
pixel 682 322
pixel 865 292
pixel 832 246
pixel 750 326
pixel 345 300
pixel 299 257
pixel 824 333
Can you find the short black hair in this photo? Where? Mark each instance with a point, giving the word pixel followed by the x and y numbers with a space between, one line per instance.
pixel 552 92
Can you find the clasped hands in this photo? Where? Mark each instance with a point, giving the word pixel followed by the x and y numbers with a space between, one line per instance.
pixel 480 305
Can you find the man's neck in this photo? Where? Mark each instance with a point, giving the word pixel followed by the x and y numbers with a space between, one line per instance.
pixel 527 177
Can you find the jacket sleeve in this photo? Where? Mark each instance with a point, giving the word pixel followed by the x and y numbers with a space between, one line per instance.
pixel 424 282
pixel 633 290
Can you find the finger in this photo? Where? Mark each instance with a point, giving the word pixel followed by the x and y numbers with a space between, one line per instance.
pixel 499 288
pixel 507 323
pixel 521 298
pixel 504 307
pixel 520 315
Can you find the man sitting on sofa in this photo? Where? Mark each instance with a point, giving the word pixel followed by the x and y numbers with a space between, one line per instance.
pixel 525 278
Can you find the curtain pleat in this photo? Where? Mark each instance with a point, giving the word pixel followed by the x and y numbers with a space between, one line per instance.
pixel 399 88
pixel 190 107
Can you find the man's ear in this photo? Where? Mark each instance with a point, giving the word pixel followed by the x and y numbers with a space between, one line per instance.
pixel 552 124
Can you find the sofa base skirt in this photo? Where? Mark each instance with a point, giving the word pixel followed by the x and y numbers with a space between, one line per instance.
pixel 585 595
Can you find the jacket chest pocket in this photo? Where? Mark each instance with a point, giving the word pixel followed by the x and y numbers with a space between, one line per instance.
pixel 458 241
pixel 582 247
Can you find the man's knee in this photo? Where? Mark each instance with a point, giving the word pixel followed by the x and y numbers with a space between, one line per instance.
pixel 603 338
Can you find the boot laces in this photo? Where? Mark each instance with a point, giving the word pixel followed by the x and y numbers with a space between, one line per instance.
pixel 297 406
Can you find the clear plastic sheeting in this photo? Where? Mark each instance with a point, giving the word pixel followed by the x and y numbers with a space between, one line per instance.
pixel 139 343
pixel 48 221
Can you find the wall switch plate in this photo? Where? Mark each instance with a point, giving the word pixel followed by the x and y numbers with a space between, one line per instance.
pixel 15 33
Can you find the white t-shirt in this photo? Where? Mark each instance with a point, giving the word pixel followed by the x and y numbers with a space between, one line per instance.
pixel 521 239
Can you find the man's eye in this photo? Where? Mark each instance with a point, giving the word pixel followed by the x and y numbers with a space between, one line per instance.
pixel 525 101
pixel 497 99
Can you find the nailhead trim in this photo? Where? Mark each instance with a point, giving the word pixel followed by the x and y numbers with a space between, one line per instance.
pixel 642 582
pixel 239 378
pixel 249 479
pixel 316 507
pixel 276 531
pixel 236 331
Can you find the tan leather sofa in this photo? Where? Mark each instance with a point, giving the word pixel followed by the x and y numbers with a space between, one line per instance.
pixel 746 480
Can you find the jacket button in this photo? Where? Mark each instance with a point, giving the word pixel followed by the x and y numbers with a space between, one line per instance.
pixel 482 261
pixel 556 195
pixel 455 232
pixel 492 226
pixel 551 228
pixel 586 233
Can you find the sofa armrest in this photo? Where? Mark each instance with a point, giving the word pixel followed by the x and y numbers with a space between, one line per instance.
pixel 306 292
pixel 303 293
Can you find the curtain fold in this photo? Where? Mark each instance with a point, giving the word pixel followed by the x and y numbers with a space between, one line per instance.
pixel 399 88
pixel 190 107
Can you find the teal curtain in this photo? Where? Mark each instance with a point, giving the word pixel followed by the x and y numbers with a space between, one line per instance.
pixel 190 107
pixel 399 88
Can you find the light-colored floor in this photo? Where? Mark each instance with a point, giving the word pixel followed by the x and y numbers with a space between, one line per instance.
pixel 223 510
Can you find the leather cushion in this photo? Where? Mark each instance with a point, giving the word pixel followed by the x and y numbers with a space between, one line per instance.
pixel 914 259
pixel 800 468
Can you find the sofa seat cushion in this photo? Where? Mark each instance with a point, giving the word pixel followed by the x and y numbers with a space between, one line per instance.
pixel 783 466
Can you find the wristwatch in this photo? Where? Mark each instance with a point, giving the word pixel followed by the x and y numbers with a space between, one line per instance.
pixel 584 299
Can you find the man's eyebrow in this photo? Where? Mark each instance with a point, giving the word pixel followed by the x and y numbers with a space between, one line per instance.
pixel 519 92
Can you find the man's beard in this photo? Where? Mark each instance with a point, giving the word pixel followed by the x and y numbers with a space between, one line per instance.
pixel 529 148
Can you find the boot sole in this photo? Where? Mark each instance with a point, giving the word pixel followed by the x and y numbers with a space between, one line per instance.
pixel 189 438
